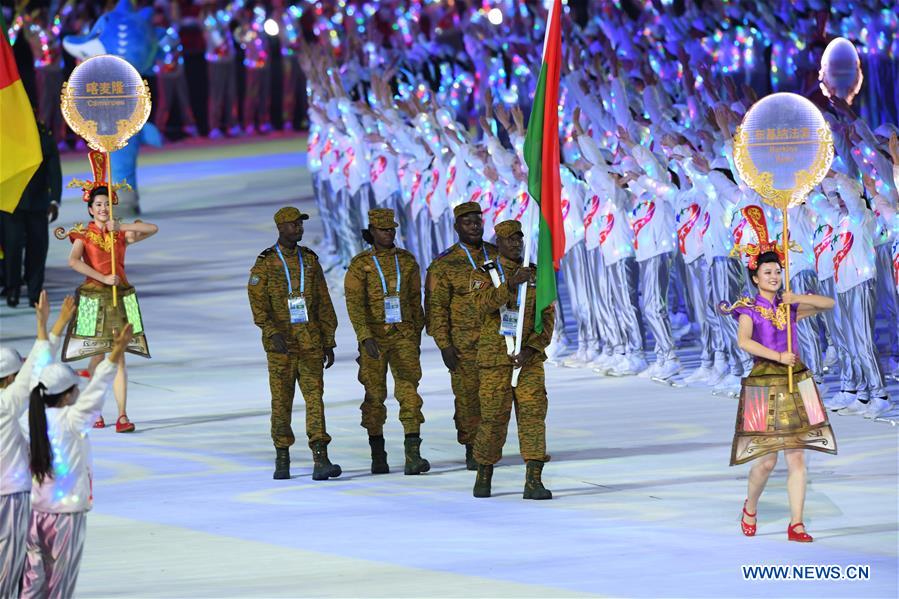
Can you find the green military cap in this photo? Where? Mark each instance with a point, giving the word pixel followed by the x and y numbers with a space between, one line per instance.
pixel 507 228
pixel 382 218
pixel 466 208
pixel 288 214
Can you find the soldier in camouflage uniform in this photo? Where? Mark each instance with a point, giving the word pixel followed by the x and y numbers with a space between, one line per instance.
pixel 496 391
pixel 291 304
pixel 383 299
pixel 453 320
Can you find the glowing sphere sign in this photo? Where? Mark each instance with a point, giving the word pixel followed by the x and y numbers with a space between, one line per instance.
pixel 105 101
pixel 841 70
pixel 783 149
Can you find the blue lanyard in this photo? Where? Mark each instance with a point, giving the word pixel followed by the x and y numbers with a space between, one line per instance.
pixel 381 273
pixel 287 272
pixel 502 278
pixel 470 259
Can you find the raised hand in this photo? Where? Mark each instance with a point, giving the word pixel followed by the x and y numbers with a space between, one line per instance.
pixel 894 148
pixel 502 115
pixel 518 117
pixel 120 342
pixel 66 312
pixel 576 117
pixel 42 314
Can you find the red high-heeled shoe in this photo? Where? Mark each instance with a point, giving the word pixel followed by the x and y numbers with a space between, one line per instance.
pixel 799 537
pixel 748 529
pixel 100 423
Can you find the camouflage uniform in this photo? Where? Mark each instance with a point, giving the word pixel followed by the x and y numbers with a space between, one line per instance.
pixel 496 392
pixel 399 343
pixel 268 291
pixel 453 320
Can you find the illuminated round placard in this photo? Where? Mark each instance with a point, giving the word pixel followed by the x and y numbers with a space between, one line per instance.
pixel 105 101
pixel 783 148
pixel 841 70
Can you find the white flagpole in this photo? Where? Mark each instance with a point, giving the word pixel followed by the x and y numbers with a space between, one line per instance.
pixel 523 289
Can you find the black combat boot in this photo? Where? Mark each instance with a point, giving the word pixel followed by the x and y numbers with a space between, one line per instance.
pixel 378 455
pixel 415 464
pixel 482 482
pixel 533 485
pixel 470 462
pixel 322 468
pixel 282 463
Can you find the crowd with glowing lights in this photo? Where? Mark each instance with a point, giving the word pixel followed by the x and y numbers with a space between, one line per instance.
pixel 652 204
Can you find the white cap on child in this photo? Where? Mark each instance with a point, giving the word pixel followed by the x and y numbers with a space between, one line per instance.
pixel 57 378
pixel 10 362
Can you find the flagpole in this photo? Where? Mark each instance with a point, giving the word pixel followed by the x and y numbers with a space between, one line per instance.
pixel 115 295
pixel 786 248
pixel 523 291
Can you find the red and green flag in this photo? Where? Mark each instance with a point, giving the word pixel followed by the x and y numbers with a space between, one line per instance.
pixel 20 146
pixel 541 153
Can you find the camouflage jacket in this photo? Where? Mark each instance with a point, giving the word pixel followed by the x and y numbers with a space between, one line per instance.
pixel 365 293
pixel 492 345
pixel 451 299
pixel 268 293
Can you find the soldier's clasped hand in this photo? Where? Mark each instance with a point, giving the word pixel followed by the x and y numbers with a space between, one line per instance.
pixel 521 359
pixel 450 357
pixel 371 348
pixel 522 275
pixel 279 344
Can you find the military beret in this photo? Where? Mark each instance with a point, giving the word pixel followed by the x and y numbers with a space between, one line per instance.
pixel 466 208
pixel 288 214
pixel 382 218
pixel 507 228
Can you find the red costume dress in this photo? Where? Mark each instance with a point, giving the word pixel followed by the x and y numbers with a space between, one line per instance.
pixel 91 332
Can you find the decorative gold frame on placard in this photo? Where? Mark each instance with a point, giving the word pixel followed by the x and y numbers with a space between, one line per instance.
pixel 784 199
pixel 763 182
pixel 125 128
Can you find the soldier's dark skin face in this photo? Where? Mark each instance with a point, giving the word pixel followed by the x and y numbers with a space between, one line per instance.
pixel 470 228
pixel 290 233
pixel 511 248
pixel 383 238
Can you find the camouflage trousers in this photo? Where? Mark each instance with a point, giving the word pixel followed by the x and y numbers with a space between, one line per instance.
pixel 284 371
pixel 497 399
pixel 401 355
pixel 466 382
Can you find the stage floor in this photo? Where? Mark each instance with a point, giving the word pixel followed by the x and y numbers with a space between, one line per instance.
pixel 645 504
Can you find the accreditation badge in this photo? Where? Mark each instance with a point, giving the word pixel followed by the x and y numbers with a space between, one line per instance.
pixel 508 322
pixel 392 313
pixel 298 312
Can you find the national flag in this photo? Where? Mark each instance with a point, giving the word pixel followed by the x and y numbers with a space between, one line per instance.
pixel 20 146
pixel 541 153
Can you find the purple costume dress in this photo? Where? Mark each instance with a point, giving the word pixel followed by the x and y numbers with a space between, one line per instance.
pixel 769 417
